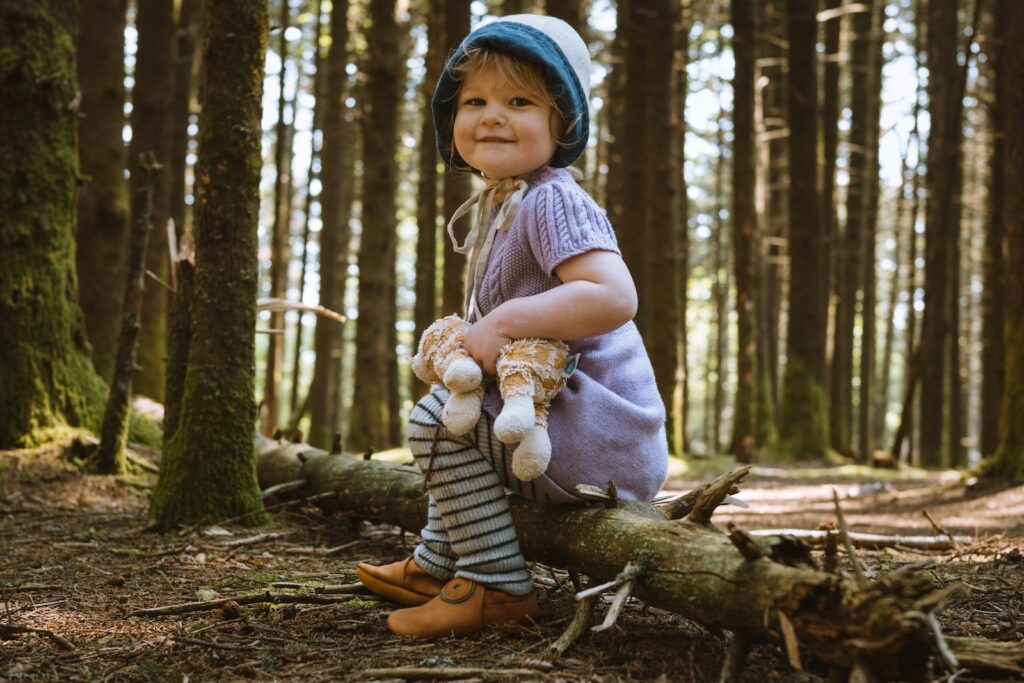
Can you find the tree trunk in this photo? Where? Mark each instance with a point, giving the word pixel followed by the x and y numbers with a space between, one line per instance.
pixel 831 21
pixel 208 470
pixel 369 422
pixel 849 256
pixel 110 457
pixel 425 311
pixel 744 226
pixel 47 380
pixel 943 156
pixel 187 60
pixel 1009 459
pixel 993 303
pixel 684 565
pixel 456 184
pixel 279 253
pixel 875 40
pixel 720 288
pixel 295 411
pixel 335 235
pixel 903 231
pixel 103 201
pixel 662 270
pixel 152 105
pixel 773 58
pixel 803 426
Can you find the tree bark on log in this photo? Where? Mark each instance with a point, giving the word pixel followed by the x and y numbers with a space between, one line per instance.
pixel 687 565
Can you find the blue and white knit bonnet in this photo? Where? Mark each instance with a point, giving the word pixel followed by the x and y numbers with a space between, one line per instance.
pixel 547 42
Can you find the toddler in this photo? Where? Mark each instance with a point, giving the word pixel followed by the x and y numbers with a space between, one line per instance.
pixel 512 105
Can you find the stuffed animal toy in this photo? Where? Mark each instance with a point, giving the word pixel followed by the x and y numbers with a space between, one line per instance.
pixel 530 373
pixel 442 359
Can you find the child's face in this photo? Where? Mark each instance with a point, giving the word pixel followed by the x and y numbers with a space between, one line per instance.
pixel 499 129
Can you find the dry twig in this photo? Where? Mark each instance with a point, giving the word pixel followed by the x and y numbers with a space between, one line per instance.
pixel 844 533
pixel 11 630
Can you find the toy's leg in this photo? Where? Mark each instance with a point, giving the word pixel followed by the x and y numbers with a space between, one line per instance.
pixel 462 411
pixel 516 418
pixel 462 374
pixel 532 455
pixel 469 495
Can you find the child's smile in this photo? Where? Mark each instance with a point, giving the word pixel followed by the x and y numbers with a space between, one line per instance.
pixel 500 130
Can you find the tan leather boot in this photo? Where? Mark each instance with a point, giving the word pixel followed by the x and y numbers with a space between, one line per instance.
pixel 404 581
pixel 462 609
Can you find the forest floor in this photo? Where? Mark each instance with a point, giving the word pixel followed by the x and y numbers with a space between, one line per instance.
pixel 76 559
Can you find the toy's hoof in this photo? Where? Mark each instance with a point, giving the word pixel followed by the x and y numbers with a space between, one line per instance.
pixel 532 456
pixel 461 413
pixel 516 420
pixel 463 375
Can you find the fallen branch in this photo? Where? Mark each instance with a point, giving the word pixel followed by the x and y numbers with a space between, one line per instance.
pixel 977 654
pixel 215 645
pixel 11 630
pixel 258 598
pixel 278 305
pixel 251 540
pixel 431 673
pixel 688 566
pixel 867 541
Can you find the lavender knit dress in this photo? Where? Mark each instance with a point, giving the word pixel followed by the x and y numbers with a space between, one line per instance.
pixel 608 423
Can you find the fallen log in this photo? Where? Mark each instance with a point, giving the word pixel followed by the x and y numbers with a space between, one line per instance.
pixel 686 565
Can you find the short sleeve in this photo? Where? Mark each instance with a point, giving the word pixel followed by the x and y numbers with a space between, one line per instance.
pixel 566 222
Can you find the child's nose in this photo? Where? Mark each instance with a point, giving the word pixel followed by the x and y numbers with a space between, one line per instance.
pixel 493 114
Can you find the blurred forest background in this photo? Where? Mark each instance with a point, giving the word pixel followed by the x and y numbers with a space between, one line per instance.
pixel 809 194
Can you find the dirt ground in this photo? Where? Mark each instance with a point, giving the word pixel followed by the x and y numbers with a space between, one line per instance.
pixel 76 559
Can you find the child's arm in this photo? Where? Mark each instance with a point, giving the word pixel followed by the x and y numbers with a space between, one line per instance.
pixel 597 295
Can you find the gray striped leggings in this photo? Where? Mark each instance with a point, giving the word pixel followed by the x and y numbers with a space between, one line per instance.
pixel 469 531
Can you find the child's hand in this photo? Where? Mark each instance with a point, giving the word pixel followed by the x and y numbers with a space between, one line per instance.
pixel 484 342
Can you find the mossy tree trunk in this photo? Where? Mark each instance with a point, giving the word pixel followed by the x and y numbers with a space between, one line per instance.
pixel 208 470
pixel 334 235
pixel 47 380
pixel 370 419
pixel 152 102
pixel 102 231
pixel 803 428
pixel 744 225
pixel 1009 458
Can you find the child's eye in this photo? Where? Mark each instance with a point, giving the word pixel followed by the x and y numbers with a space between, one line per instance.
pixel 474 102
pixel 520 102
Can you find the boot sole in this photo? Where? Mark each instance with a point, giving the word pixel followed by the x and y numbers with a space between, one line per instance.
pixel 403 596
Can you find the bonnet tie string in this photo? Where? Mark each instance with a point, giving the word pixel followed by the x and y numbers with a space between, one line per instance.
pixel 511 190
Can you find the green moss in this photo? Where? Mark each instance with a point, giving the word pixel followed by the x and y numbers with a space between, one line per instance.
pixel 43 351
pixel 145 431
pixel 803 427
pixel 208 470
